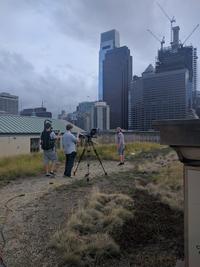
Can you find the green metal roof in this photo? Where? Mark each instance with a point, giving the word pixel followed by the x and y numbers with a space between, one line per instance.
pixel 14 124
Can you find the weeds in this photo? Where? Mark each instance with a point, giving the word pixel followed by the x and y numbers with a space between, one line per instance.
pixel 166 182
pixel 19 166
pixel 31 165
pixel 89 233
pixel 132 151
pixel 15 167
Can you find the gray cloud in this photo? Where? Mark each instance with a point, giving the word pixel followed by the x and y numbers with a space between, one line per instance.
pixel 84 20
pixel 49 50
pixel 19 77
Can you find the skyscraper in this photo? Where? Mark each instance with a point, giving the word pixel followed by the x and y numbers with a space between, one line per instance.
pixel 109 40
pixel 117 74
pixel 159 96
pixel 100 116
pixel 177 57
pixel 169 91
pixel 166 95
pixel 136 111
pixel 9 103
pixel 83 115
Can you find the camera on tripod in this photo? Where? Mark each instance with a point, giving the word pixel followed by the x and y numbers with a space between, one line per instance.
pixel 88 146
pixel 90 135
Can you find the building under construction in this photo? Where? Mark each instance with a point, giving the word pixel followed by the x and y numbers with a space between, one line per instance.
pixel 169 91
pixel 177 56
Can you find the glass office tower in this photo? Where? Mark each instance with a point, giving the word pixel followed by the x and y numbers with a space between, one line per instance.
pixel 9 103
pixel 109 40
pixel 117 74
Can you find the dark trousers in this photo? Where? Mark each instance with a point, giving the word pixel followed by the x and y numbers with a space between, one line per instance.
pixel 69 163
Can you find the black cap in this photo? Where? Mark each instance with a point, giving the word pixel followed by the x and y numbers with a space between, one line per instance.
pixel 47 125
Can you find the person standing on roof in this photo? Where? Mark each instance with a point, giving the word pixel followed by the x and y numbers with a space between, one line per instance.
pixel 120 145
pixel 69 142
pixel 48 139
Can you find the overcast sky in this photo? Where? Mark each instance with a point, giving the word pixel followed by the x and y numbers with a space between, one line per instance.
pixel 49 48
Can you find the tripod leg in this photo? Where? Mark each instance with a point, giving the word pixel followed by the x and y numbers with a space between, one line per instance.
pixel 88 160
pixel 81 156
pixel 97 155
pixel 88 170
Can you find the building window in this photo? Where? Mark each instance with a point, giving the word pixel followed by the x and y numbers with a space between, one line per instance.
pixel 34 145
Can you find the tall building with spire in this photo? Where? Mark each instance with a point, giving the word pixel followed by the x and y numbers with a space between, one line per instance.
pixel 109 41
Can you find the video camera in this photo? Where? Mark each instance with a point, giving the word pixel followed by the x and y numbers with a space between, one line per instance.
pixel 89 135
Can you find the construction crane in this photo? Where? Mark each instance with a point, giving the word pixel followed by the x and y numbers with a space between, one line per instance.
pixel 156 37
pixel 172 20
pixel 190 34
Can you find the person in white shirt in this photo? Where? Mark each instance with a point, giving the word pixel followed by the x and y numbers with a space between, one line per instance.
pixel 120 145
pixel 69 142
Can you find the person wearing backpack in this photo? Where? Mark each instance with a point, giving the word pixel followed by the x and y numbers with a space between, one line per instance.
pixel 48 139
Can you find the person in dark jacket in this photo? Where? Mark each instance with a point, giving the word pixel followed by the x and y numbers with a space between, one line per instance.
pixel 48 139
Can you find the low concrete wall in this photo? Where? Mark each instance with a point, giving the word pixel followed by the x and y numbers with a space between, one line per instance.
pixel 11 145
pixel 130 136
pixel 15 144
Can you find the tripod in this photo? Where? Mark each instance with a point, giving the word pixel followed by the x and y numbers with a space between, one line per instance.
pixel 87 148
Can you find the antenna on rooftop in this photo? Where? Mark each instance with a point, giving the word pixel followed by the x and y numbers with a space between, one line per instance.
pixel 172 20
pixel 157 38
pixel 21 104
pixel 190 34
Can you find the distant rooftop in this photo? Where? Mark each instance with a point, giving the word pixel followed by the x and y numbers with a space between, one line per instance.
pixel 14 124
pixel 149 69
pixel 7 95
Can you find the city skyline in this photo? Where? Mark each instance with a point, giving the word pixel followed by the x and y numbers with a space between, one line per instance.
pixel 49 51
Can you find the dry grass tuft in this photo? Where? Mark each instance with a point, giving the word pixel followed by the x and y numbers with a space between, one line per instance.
pixel 15 167
pixel 133 150
pixel 20 166
pixel 88 236
pixel 167 183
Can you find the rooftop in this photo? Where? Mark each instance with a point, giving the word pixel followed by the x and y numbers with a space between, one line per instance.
pixel 15 124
